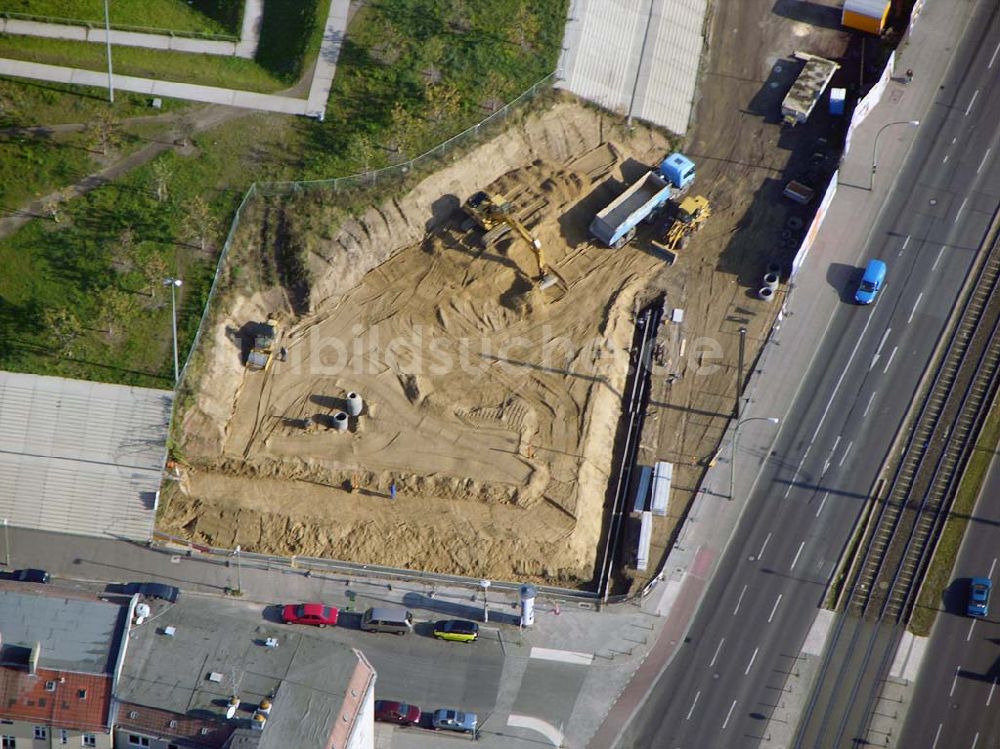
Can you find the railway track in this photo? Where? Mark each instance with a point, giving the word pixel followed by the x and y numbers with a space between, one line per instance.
pixel 912 513
pixel 896 546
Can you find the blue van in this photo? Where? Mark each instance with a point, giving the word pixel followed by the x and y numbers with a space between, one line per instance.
pixel 871 282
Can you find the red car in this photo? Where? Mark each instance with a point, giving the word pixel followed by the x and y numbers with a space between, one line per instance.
pixel 317 614
pixel 396 712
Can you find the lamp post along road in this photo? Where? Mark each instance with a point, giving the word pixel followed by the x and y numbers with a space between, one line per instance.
pixel 107 39
pixel 736 435
pixel 174 284
pixel 871 177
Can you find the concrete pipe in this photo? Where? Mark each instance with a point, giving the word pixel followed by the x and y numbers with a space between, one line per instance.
pixel 766 293
pixel 354 404
pixel 340 421
pixel 771 280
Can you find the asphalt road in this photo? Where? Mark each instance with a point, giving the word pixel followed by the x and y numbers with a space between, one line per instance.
pixel 955 699
pixel 726 680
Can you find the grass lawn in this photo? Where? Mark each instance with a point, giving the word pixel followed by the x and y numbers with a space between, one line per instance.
pixel 413 73
pixel 202 16
pixel 77 300
pixel 940 573
pixel 26 103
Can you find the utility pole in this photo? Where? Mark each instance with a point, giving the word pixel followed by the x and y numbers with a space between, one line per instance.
pixel 239 572
pixel 107 39
pixel 739 371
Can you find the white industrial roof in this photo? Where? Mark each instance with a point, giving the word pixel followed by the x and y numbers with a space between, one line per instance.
pixel 640 57
pixel 871 8
pixel 81 457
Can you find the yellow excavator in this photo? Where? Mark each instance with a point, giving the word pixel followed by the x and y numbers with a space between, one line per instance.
pixel 495 216
pixel 689 217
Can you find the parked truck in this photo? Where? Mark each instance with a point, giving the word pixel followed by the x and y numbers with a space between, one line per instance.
pixel 807 89
pixel 615 226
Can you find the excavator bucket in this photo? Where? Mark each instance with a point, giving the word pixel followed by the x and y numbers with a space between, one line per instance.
pixel 547 281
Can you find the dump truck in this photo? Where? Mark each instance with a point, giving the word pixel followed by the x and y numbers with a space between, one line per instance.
pixel 615 226
pixel 807 89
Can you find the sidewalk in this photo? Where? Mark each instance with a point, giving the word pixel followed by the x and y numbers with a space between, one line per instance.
pixel 808 309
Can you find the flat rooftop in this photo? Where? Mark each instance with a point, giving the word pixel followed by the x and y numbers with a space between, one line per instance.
pixel 81 457
pixel 306 677
pixel 75 632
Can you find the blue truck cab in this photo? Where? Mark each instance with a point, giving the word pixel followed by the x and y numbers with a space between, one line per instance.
pixel 871 282
pixel 678 170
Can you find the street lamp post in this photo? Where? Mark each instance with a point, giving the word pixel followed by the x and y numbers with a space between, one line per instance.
pixel 107 39
pixel 736 435
pixel 485 585
pixel 239 571
pixel 871 178
pixel 174 284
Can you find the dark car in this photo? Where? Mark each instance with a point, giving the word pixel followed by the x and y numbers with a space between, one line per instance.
pixel 159 590
pixel 316 614
pixel 979 597
pixel 458 630
pixel 31 576
pixel 399 713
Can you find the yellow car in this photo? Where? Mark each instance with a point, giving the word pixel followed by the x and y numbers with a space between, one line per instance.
pixel 458 630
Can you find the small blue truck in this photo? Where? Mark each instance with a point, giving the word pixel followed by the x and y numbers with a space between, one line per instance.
pixel 615 225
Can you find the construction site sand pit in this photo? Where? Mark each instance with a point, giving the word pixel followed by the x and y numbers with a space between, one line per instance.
pixel 490 406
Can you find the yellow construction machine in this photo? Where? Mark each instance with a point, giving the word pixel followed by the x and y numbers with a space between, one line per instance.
pixel 262 351
pixel 688 218
pixel 495 216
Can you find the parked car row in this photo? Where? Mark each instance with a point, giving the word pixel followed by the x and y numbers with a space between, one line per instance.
pixel 391 619
pixel 444 719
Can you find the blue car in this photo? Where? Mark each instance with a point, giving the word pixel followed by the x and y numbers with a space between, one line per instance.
pixel 871 282
pixel 979 597
pixel 454 720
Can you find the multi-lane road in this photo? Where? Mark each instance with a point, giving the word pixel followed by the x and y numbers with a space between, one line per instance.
pixel 725 681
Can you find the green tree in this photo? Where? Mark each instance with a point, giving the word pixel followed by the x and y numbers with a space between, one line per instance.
pixel 161 176
pixel 123 250
pixel 154 272
pixel 115 308
pixel 105 131
pixel 64 324
pixel 443 102
pixel 361 152
pixel 199 223
pixel 405 130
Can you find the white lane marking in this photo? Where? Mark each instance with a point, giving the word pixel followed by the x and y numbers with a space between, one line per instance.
pixel 849 446
pixel 960 209
pixel 954 681
pixel 906 241
pixel 915 305
pixel 797 555
pixel 889 363
pixel 975 740
pixel 717 651
pixel 878 351
pixel 938 258
pixel 752 659
pixel 564 656
pixel 945 159
pixel 971 102
pixel 983 162
pixel 994 58
pixel 989 697
pixel 868 407
pixel 840 380
pixel 993 566
pixel 937 735
pixel 696 696
pixel 549 731
pixel 798 469
pixel 822 504
pixel 728 715
pixel 763 546
pixel 972 624
pixel 738 602
pixel 775 608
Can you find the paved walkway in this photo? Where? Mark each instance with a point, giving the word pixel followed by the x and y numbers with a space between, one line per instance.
pixel 315 106
pixel 246 46
pixel 808 310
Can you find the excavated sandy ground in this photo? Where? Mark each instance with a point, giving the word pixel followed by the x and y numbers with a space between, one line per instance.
pixel 491 405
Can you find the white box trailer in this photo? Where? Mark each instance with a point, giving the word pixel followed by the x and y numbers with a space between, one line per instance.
pixel 642 487
pixel 645 538
pixel 663 475
pixel 808 87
